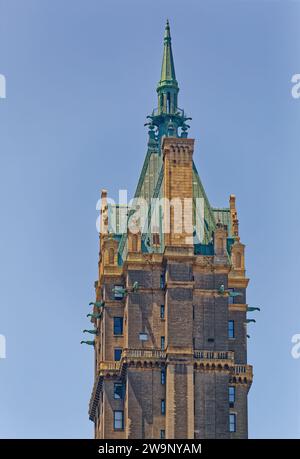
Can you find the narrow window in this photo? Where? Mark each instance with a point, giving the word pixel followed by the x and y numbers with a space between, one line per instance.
pixel 231 298
pixel 155 239
pixel 162 434
pixel 231 395
pixel 118 420
pixel 230 328
pixel 194 343
pixel 232 422
pixel 118 353
pixel 163 406
pixel 162 281
pixel 162 311
pixel 118 325
pixel 118 391
pixel 162 343
pixel 163 376
pixel 168 103
pixel 193 312
pixel 161 101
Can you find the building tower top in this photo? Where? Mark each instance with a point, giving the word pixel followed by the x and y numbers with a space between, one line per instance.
pixel 168 117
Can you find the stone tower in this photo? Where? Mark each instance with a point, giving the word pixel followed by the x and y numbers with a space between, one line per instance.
pixel 170 316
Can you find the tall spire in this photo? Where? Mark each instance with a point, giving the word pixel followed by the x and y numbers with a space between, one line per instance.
pixel 167 88
pixel 168 118
pixel 168 76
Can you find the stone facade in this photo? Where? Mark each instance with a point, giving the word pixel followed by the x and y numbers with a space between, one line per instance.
pixel 171 355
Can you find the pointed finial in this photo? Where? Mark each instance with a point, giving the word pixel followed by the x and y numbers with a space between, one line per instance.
pixel 168 77
pixel 167 30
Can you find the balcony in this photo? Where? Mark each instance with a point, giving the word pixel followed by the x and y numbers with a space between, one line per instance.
pixel 143 353
pixel 214 355
pixel 107 367
pixel 243 371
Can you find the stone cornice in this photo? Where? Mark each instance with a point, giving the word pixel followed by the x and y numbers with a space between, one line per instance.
pixel 237 282
pixel 238 307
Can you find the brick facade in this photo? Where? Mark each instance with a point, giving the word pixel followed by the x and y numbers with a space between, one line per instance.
pixel 171 355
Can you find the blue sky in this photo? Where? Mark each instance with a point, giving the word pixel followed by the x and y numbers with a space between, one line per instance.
pixel 81 78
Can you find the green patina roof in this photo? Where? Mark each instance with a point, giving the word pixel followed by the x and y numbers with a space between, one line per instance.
pixel 150 184
pixel 222 215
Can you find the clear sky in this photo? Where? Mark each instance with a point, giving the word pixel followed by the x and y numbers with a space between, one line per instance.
pixel 81 78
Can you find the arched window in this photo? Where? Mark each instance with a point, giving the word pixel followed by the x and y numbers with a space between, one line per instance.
pixel 111 256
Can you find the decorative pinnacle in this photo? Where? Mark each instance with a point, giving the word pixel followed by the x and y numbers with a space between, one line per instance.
pixel 168 69
pixel 167 31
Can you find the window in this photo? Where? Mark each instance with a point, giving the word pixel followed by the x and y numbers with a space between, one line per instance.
pixel 155 239
pixel 232 422
pixel 118 353
pixel 118 420
pixel 143 336
pixel 118 325
pixel 193 312
pixel 231 395
pixel 230 328
pixel 162 311
pixel 163 376
pixel 163 406
pixel 230 298
pixel 168 102
pixel 162 281
pixel 118 391
pixel 161 100
pixel 194 343
pixel 162 343
pixel 162 434
pixel 118 292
